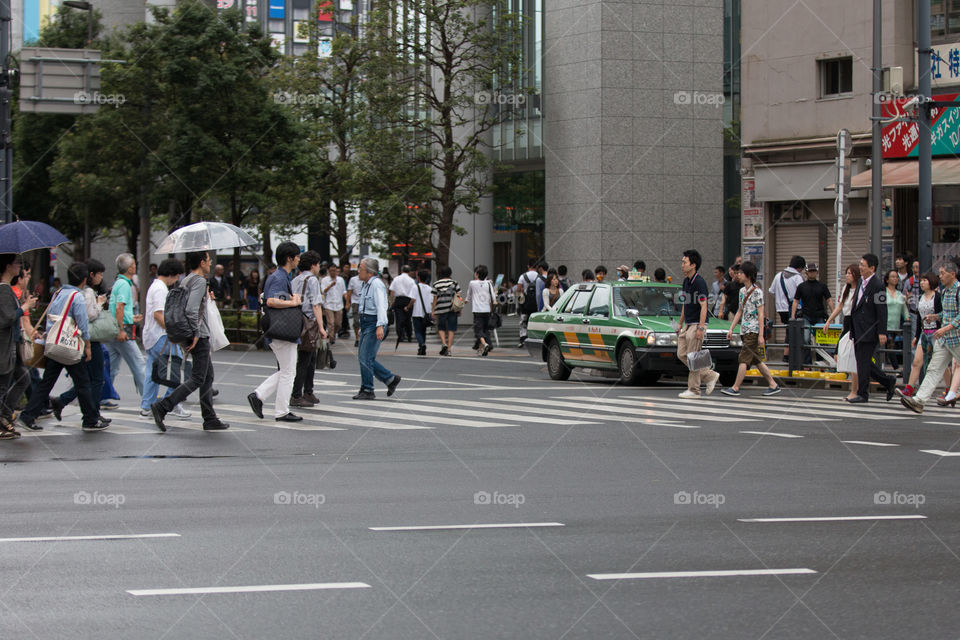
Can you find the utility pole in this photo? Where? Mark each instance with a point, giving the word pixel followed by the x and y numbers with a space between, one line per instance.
pixel 925 205
pixel 6 139
pixel 876 154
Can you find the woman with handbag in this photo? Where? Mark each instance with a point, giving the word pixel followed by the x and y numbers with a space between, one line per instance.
pixel 284 326
pixel 14 377
pixel 480 297
pixel 846 359
pixel 928 304
pixel 307 285
pixel 552 290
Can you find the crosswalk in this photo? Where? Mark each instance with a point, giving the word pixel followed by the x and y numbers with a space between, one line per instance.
pixel 479 411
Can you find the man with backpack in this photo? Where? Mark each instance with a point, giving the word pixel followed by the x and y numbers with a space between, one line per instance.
pixel 527 286
pixel 185 320
pixel 784 290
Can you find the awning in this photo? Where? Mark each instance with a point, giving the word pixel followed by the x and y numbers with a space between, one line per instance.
pixel 903 173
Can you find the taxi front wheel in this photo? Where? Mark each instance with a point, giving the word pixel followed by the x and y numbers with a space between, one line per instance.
pixel 627 363
pixel 556 367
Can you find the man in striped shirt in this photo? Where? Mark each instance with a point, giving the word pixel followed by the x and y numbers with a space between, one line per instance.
pixel 444 291
pixel 946 344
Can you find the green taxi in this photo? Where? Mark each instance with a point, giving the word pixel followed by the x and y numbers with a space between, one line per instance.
pixel 628 327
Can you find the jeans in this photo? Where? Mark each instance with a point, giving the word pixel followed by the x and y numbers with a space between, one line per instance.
pixel 131 354
pixel 151 390
pixel 96 374
pixel 306 367
pixel 201 377
pixel 420 330
pixel 12 386
pixel 280 384
pixel 81 380
pixel 367 355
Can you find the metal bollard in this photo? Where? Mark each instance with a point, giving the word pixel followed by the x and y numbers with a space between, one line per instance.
pixel 795 343
pixel 907 352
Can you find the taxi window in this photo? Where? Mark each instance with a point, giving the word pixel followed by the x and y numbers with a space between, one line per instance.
pixel 578 302
pixel 600 304
pixel 648 301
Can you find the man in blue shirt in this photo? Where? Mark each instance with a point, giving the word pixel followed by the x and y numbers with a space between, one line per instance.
pixel 693 324
pixel 373 329
pixel 70 293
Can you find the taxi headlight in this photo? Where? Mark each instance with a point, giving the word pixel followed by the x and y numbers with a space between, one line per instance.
pixel 664 339
pixel 651 339
pixel 736 340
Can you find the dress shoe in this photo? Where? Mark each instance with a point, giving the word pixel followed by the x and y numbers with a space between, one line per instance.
pixel 158 414
pixel 300 401
pixel 216 426
pixel 290 417
pixel 256 404
pixel 312 398
pixel 107 420
pixel 57 407
pixel 891 390
pixel 393 385
pixel 365 395
pixel 856 400
pixel 99 425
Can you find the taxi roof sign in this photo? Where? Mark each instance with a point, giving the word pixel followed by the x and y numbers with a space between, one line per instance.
pixel 638 276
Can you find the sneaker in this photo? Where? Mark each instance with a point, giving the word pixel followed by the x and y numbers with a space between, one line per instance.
pixel 99 426
pixel 689 395
pixel 730 391
pixel 158 414
pixel 57 407
pixel 907 391
pixel 393 385
pixel 29 426
pixel 146 413
pixel 300 401
pixel 180 412
pixel 45 414
pixel 312 398
pixel 443 350
pixel 913 404
pixel 772 392
pixel 365 395
pixel 712 379
pixel 216 426
pixel 109 404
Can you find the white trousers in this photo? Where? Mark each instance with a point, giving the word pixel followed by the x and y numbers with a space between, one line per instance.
pixel 280 383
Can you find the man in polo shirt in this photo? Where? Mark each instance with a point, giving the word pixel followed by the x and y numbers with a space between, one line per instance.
pixel 121 306
pixel 693 323
pixel 333 289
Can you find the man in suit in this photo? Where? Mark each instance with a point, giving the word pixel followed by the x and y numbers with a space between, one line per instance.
pixel 869 323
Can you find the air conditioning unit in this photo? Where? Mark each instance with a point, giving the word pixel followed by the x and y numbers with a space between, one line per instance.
pixel 893 81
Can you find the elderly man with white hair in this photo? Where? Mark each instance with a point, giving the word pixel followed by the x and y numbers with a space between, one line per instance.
pixel 122 300
pixel 373 329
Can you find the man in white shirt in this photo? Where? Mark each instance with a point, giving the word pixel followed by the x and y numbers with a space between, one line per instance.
pixel 403 288
pixel 422 306
pixel 354 288
pixel 155 337
pixel 524 282
pixel 784 289
pixel 333 289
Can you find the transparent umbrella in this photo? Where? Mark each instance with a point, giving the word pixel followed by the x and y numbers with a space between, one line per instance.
pixel 201 236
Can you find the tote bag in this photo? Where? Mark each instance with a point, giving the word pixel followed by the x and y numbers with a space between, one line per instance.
pixel 64 343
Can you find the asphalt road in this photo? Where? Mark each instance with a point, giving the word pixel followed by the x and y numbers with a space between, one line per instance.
pixel 599 479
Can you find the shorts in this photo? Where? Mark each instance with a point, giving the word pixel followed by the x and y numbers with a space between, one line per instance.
pixel 784 316
pixel 447 321
pixel 750 352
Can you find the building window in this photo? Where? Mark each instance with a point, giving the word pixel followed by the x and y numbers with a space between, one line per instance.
pixel 836 77
pixel 944 18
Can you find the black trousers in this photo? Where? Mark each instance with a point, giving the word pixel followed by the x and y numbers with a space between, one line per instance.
pixel 867 370
pixel 306 367
pixel 81 380
pixel 403 317
pixel 12 386
pixel 201 377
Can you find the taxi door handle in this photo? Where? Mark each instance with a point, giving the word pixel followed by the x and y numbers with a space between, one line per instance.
pixel 585 321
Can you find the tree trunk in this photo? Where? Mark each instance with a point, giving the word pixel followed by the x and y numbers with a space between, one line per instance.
pixel 267 248
pixel 341 235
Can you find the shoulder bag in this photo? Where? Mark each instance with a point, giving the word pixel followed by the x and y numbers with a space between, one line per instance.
pixel 30 352
pixel 167 368
pixel 64 344
pixel 495 321
pixel 456 301
pixel 104 327
pixel 311 328
pixel 427 320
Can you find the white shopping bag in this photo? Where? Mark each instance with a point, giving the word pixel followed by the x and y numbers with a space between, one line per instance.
pixel 846 358
pixel 218 336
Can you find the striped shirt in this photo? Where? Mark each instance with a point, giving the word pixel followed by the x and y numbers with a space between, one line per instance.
pixel 950 316
pixel 445 289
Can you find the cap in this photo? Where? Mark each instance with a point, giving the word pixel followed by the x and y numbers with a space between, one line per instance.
pixel 812 266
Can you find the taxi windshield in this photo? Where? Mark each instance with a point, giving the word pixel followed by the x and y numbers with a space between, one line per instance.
pixel 649 301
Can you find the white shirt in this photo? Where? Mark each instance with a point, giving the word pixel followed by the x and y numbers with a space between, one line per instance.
pixel 333 299
pixel 156 298
pixel 478 295
pixel 793 280
pixel 404 285
pixel 355 286
pixel 425 292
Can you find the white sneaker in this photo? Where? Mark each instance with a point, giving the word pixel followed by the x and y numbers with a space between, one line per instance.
pixel 146 413
pixel 180 412
pixel 712 379
pixel 690 395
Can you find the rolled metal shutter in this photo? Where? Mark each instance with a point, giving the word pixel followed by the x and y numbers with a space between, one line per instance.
pixel 796 240
pixel 856 242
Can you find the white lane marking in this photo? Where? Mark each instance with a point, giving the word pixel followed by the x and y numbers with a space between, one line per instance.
pixel 599 406
pixel 698 574
pixel 794 411
pixel 949 424
pixel 249 589
pixel 541 413
pixel 941 453
pixel 396 411
pixel 833 518
pixel 442 527
pixel 771 433
pixel 305 425
pixel 870 444
pixel 32 434
pixel 104 537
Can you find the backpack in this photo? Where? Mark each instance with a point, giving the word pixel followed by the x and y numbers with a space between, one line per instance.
pixel 179 329
pixel 529 304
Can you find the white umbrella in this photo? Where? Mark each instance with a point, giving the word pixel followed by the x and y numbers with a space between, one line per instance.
pixel 205 236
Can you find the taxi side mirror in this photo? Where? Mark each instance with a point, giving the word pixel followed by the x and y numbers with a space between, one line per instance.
pixel 634 313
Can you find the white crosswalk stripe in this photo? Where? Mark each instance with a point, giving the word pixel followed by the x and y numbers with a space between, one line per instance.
pixel 681 409
pixel 598 408
pixel 411 415
pixel 309 420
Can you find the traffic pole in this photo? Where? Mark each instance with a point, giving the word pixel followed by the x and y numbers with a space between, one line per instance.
pixel 924 152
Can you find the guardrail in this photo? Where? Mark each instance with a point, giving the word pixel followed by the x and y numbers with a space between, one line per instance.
pixel 820 341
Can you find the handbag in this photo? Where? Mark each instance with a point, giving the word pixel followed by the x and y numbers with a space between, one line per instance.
pixel 311 328
pixel 167 368
pixel 456 303
pixel 104 327
pixel 700 359
pixel 218 335
pixel 30 352
pixel 427 320
pixel 64 344
pixel 495 321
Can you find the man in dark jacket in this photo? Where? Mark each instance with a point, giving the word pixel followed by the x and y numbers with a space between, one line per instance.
pixel 869 320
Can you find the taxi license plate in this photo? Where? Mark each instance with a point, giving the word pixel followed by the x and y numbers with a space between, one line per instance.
pixel 828 336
